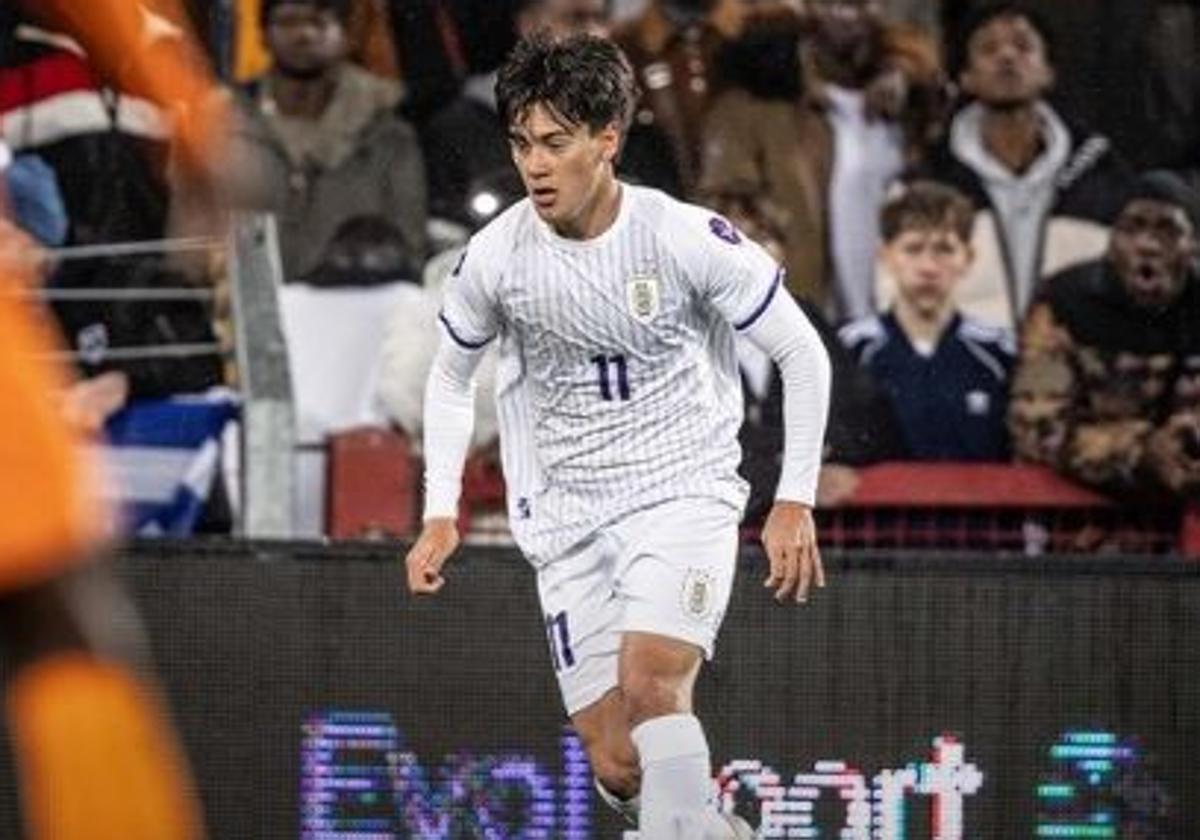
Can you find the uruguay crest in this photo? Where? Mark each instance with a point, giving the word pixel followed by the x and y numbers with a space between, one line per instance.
pixel 698 595
pixel 643 296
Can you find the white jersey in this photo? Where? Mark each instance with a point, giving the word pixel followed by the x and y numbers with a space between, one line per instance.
pixel 618 384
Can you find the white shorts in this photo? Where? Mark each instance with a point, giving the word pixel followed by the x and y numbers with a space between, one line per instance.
pixel 667 569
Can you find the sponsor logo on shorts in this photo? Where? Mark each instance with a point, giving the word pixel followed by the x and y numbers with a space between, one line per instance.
pixel 699 594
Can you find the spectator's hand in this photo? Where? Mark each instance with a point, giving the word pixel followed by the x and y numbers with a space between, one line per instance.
pixel 835 484
pixel 1173 452
pixel 1108 453
pixel 886 94
pixel 790 540
pixel 89 403
pixel 439 538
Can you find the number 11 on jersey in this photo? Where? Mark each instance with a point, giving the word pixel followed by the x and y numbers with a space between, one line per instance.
pixel 609 368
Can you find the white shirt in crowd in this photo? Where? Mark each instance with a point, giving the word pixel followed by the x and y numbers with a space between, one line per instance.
pixel 867 156
pixel 1023 200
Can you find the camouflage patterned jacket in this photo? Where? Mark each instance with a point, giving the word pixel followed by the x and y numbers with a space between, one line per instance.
pixel 1108 392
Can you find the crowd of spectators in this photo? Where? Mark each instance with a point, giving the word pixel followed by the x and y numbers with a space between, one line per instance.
pixel 996 277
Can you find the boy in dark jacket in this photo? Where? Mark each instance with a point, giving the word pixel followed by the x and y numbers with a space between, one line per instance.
pixel 946 373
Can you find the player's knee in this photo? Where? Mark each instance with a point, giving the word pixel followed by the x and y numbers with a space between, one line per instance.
pixel 649 695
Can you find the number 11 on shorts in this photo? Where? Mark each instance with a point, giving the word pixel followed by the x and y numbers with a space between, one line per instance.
pixel 559 636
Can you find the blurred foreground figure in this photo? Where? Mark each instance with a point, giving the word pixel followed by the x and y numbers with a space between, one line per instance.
pixel 95 755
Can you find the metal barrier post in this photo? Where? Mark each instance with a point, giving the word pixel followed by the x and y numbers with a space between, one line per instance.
pixel 268 416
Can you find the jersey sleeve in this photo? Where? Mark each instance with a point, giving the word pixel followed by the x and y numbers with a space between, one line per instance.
pixel 470 313
pixel 738 277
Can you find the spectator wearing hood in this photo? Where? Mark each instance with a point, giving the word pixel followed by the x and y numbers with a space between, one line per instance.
pixel 1045 191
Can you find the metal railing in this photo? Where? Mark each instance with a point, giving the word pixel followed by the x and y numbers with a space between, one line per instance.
pixel 268 434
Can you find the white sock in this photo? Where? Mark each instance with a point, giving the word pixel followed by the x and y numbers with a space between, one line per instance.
pixel 676 784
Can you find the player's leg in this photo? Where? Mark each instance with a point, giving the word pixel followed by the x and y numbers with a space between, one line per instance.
pixel 675 578
pixel 604 730
pixel 582 613
pixel 657 675
pixel 95 752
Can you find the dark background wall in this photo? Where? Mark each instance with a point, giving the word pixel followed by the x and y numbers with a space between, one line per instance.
pixel 268 651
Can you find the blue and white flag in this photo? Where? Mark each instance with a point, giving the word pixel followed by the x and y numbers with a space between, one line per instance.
pixel 162 456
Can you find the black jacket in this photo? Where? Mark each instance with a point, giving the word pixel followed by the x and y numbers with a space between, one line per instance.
pixel 1099 376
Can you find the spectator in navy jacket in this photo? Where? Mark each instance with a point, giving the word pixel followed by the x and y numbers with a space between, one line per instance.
pixel 946 373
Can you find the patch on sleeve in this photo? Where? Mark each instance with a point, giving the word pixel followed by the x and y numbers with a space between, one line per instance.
pixel 723 229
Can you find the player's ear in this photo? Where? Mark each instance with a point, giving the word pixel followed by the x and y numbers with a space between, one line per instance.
pixel 610 139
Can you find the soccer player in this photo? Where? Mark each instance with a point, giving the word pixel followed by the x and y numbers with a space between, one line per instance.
pixel 615 308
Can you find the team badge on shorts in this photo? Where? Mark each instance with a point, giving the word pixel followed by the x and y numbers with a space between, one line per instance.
pixel 699 594
pixel 643 296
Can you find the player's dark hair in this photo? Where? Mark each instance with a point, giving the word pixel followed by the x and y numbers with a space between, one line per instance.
pixel 982 15
pixel 927 205
pixel 582 80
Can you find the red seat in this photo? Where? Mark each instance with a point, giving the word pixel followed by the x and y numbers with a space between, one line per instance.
pixel 373 485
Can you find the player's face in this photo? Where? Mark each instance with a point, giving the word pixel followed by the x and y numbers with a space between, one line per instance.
pixel 567 169
pixel 927 265
pixel 1153 247
pixel 1007 65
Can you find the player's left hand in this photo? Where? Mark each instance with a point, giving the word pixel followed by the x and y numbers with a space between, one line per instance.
pixel 790 540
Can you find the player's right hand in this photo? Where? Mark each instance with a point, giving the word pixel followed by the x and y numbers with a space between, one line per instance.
pixel 789 538
pixel 439 538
